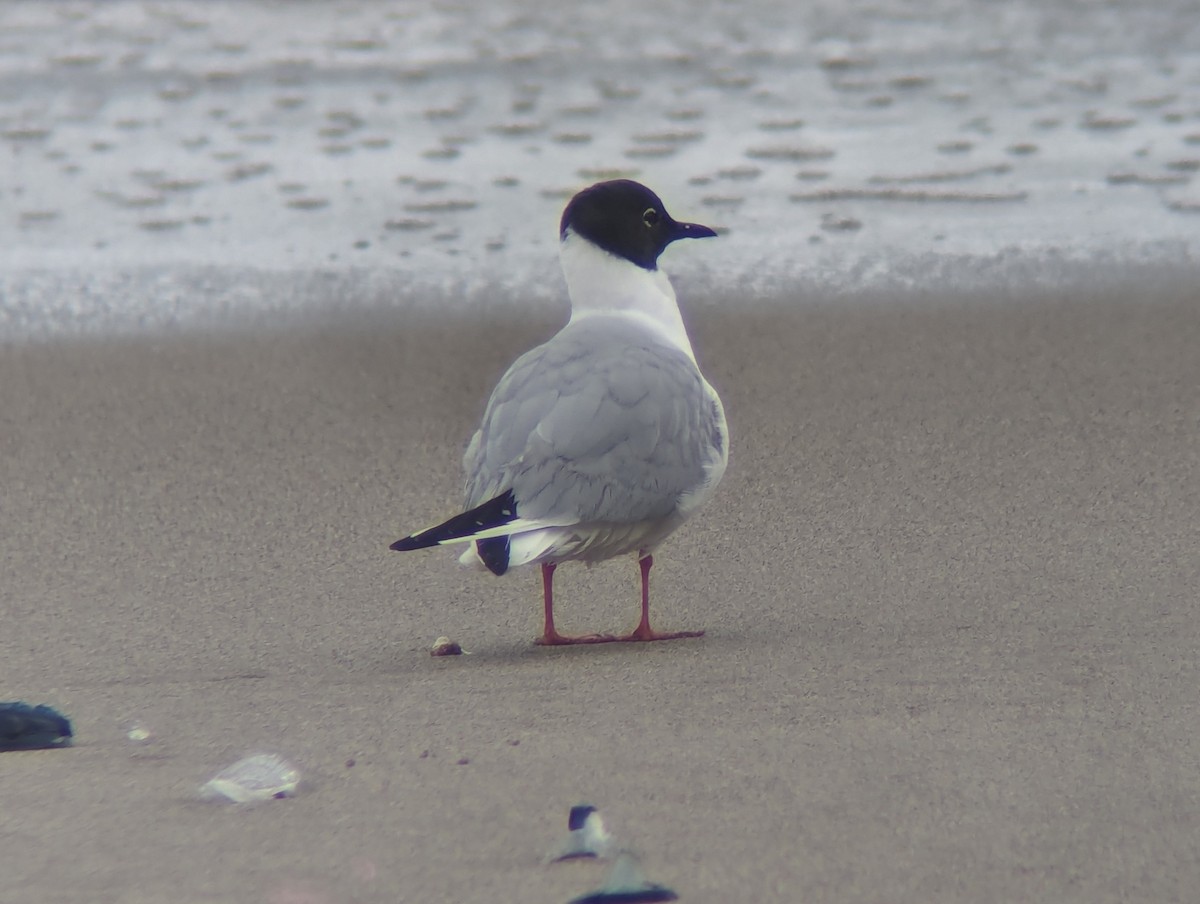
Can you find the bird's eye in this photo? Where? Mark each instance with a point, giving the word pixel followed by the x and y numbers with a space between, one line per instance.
pixel 650 217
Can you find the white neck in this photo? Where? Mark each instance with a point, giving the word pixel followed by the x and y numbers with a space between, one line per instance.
pixel 602 283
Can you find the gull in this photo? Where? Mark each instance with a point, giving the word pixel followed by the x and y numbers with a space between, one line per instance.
pixel 605 439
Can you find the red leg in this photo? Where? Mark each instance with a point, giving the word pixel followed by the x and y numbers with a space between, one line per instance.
pixel 643 631
pixel 551 637
pixel 548 601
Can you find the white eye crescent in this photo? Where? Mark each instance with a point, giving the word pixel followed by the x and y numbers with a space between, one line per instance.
pixel 650 217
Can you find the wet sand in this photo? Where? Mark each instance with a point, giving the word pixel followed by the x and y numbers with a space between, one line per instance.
pixel 949 585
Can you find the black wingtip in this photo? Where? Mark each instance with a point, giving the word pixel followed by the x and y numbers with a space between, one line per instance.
pixel 413 542
pixel 493 552
pixel 493 513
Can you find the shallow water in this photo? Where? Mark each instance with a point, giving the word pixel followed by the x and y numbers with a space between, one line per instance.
pixel 154 157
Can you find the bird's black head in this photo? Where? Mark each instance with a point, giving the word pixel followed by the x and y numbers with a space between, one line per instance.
pixel 626 219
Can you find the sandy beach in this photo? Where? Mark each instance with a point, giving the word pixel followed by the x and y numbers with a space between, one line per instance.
pixel 261 264
pixel 949 586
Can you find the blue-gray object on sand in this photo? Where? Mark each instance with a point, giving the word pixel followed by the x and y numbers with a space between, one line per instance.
pixel 586 836
pixel 650 895
pixel 25 727
pixel 627 884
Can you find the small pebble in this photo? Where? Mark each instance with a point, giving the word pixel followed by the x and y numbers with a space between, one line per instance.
pixel 444 646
